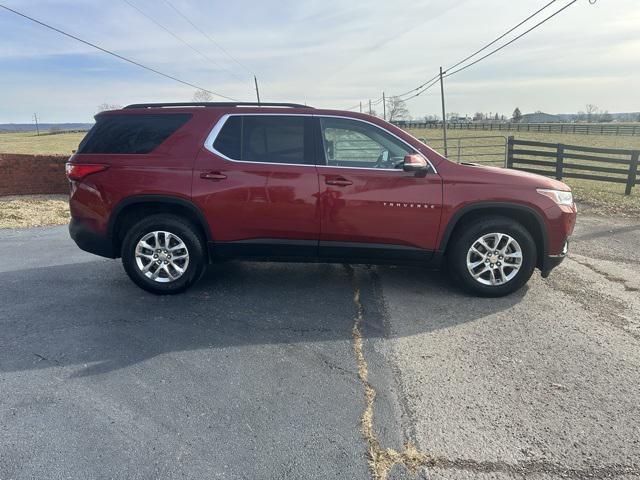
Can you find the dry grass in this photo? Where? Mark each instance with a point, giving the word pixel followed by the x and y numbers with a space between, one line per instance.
pixel 30 143
pixel 602 141
pixel 25 211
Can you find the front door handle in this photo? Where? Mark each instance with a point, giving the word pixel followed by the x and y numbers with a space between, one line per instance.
pixel 212 176
pixel 338 182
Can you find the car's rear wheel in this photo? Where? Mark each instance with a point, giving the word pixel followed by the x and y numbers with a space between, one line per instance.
pixel 492 256
pixel 164 254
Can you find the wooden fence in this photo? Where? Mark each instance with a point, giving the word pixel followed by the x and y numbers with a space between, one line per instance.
pixel 577 128
pixel 572 161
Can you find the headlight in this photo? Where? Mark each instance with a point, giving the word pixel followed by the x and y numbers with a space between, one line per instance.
pixel 558 196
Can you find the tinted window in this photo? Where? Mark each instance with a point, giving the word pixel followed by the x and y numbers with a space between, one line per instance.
pixel 266 138
pixel 350 143
pixel 228 140
pixel 130 133
pixel 276 139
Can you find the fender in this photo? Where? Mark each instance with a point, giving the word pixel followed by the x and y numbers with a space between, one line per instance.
pixel 159 199
pixel 453 221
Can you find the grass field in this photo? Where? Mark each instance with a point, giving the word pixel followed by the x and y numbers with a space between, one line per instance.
pixel 600 197
pixel 28 142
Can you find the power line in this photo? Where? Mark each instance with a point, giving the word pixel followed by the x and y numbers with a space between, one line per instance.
pixel 206 35
pixel 420 86
pixel 512 40
pixel 502 36
pixel 434 82
pixel 449 73
pixel 180 39
pixel 133 62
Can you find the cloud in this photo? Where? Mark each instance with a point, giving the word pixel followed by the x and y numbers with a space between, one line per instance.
pixel 329 53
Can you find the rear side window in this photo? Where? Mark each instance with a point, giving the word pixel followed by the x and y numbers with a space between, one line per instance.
pixel 266 139
pixel 229 138
pixel 131 134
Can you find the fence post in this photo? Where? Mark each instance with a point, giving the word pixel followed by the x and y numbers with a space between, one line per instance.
pixel 509 159
pixel 559 161
pixel 633 171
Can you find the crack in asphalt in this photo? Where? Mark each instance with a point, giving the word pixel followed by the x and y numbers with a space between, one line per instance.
pixel 381 460
pixel 606 275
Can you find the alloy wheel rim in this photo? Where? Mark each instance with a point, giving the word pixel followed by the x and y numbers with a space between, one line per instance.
pixel 494 259
pixel 162 256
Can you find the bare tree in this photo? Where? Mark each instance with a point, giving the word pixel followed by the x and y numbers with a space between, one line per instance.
pixel 396 109
pixel 202 96
pixel 108 106
pixel 517 115
pixel 591 110
pixel 478 117
pixel 606 117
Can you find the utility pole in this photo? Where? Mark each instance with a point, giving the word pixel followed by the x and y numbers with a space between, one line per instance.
pixel 370 111
pixel 255 79
pixel 361 107
pixel 384 107
pixel 35 117
pixel 444 118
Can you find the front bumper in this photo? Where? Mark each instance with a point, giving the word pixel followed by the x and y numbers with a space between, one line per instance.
pixel 91 241
pixel 552 261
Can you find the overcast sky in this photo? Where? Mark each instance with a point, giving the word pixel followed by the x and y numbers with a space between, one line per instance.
pixel 328 53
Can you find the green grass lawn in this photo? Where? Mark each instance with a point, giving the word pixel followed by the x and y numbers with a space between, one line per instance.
pixel 30 143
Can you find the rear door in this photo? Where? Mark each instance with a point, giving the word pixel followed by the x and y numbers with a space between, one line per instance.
pixel 257 183
pixel 371 208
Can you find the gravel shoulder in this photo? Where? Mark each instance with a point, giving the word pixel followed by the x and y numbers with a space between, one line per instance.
pixel 25 211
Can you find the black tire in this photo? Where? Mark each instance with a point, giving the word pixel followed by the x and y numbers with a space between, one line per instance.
pixel 466 236
pixel 190 236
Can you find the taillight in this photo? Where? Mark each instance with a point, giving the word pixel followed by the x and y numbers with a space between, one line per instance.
pixel 77 171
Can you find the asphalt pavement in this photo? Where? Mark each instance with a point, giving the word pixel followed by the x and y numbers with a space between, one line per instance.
pixel 258 372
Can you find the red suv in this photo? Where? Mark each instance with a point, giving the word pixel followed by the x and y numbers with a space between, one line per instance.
pixel 173 187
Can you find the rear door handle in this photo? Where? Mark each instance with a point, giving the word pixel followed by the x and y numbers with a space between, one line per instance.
pixel 338 182
pixel 213 176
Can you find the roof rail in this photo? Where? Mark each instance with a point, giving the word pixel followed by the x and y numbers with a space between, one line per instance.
pixel 216 104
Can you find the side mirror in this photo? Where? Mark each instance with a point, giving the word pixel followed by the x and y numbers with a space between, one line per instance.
pixel 415 163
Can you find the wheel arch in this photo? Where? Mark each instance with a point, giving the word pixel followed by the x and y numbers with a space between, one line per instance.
pixel 131 209
pixel 531 219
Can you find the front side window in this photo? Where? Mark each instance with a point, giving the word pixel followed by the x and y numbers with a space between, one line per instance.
pixel 350 143
pixel 265 139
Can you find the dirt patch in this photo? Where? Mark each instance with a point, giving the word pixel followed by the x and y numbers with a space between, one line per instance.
pixel 24 211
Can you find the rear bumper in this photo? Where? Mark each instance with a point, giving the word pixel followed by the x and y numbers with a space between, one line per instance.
pixel 90 240
pixel 552 261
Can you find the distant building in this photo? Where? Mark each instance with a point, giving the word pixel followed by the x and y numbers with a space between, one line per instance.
pixel 540 117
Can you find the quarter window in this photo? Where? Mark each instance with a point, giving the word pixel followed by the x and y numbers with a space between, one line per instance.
pixel 130 134
pixel 350 143
pixel 229 138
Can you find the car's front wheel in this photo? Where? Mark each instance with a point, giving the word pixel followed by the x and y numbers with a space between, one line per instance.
pixel 163 254
pixel 492 256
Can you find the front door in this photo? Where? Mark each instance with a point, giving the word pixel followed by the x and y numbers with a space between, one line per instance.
pixel 257 184
pixel 371 208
